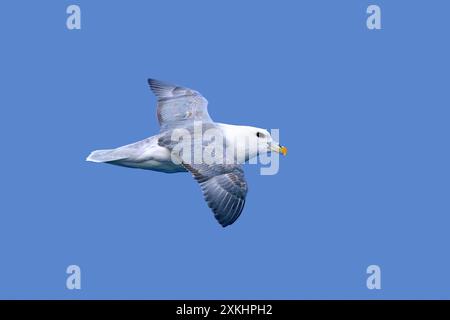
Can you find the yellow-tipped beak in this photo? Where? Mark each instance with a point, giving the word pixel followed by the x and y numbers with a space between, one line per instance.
pixel 280 149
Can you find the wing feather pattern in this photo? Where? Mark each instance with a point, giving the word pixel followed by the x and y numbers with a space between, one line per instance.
pixel 178 106
pixel 223 185
pixel 224 188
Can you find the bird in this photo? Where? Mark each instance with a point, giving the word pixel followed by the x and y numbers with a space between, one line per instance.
pixel 180 109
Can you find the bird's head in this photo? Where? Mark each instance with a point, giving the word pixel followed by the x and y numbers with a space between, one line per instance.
pixel 266 143
pixel 251 141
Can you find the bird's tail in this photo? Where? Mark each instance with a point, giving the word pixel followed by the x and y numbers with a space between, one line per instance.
pixel 105 156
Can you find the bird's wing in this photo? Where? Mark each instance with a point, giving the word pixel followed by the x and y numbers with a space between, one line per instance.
pixel 178 106
pixel 224 188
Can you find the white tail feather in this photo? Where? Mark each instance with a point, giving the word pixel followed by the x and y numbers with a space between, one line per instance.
pixel 105 156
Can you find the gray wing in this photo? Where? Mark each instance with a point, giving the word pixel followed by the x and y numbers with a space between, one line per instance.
pixel 224 188
pixel 178 106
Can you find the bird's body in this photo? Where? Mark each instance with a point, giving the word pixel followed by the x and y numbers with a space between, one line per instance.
pixel 148 154
pixel 185 110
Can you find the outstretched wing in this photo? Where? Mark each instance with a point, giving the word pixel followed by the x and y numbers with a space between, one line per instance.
pixel 224 188
pixel 178 106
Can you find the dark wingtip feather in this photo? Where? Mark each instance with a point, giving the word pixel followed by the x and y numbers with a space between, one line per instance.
pixel 160 88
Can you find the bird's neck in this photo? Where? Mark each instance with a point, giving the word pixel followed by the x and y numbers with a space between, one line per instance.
pixel 237 137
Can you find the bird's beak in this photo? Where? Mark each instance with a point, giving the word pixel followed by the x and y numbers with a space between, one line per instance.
pixel 279 149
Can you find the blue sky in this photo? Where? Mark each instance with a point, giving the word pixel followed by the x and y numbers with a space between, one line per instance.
pixel 363 113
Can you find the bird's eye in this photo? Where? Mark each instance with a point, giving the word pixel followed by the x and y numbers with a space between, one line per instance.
pixel 260 135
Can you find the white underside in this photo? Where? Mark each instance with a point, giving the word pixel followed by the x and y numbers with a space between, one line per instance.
pixel 145 154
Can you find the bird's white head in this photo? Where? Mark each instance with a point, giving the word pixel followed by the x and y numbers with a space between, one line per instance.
pixel 264 142
pixel 252 141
